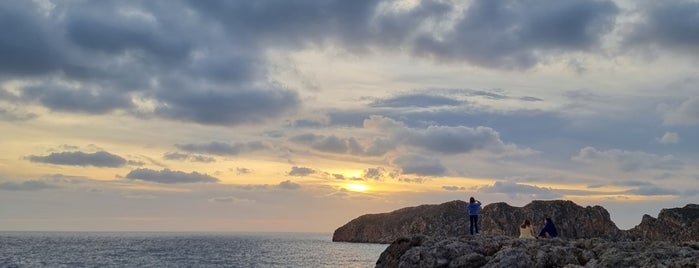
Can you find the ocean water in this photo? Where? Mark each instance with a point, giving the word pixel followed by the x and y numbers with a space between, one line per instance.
pixel 101 249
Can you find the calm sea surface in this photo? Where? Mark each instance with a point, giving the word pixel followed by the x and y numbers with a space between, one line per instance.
pixel 83 249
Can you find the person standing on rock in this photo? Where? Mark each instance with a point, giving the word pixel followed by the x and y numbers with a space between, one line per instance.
pixel 473 207
pixel 549 230
pixel 526 230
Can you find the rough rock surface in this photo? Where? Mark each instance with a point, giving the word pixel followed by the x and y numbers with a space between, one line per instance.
pixel 674 224
pixel 505 251
pixel 451 219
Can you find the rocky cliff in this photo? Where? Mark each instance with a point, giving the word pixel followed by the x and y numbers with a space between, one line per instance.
pixel 451 219
pixel 446 219
pixel 506 251
pixel 674 224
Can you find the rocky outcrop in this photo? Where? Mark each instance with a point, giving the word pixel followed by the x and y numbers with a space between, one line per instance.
pixel 446 219
pixel 571 220
pixel 505 251
pixel 674 224
pixel 451 219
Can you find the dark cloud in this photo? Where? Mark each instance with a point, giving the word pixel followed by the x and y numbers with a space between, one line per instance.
pixel 188 157
pixel 416 100
pixel 98 159
pixel 332 144
pixel 91 101
pixel 301 171
pixel 32 185
pixel 667 24
pixel 289 185
pixel 227 107
pixel 222 148
pixel 515 34
pixel 169 176
pixel 420 165
pixel 27 45
pixel 516 189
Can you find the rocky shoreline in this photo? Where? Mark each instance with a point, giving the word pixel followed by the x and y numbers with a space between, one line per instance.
pixel 572 221
pixel 505 251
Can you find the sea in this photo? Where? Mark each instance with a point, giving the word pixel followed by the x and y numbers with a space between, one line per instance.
pixel 163 249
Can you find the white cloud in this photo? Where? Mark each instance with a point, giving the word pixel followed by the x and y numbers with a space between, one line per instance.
pixel 669 138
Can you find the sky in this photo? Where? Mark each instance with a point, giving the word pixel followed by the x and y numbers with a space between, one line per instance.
pixel 301 115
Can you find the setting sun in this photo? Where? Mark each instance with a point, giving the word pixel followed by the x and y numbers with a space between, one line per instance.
pixel 357 187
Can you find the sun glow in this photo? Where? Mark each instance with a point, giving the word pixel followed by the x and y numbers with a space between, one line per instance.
pixel 356 187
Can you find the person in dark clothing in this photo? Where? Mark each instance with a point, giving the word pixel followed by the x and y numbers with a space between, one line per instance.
pixel 473 207
pixel 549 230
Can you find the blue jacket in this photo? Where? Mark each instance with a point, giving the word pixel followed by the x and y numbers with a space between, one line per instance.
pixel 550 229
pixel 473 208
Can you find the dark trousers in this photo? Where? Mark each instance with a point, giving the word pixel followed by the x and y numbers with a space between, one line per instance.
pixel 474 222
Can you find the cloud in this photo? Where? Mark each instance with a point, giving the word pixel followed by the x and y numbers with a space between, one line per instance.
pixel 289 185
pixel 453 188
pixel 685 113
pixel 516 189
pixel 441 139
pixel 516 34
pixel 222 148
pixel 651 190
pixel 666 24
pixel 338 145
pixel 241 171
pixel 420 165
pixel 31 185
pixel 227 107
pixel 301 171
pixel 669 138
pixel 98 159
pixel 628 161
pixel 374 173
pixel 415 100
pixel 169 176
pixel 190 157
pixel 13 114
pixel 78 100
pixel 231 199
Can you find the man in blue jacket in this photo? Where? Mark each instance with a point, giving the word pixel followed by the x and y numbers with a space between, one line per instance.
pixel 473 207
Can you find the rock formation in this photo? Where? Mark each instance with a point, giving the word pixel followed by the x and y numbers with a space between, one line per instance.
pixel 446 219
pixel 451 219
pixel 506 251
pixel 674 224
pixel 571 220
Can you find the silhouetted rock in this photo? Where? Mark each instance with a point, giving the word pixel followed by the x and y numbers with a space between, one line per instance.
pixel 446 219
pixel 505 251
pixel 451 219
pixel 674 224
